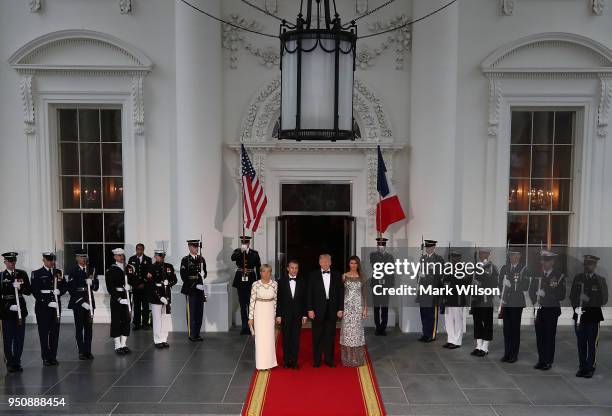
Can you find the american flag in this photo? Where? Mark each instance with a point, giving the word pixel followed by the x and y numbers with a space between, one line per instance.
pixel 253 195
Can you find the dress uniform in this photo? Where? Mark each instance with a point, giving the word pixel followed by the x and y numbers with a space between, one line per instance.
pixel 381 300
pixel 588 294
pixel 82 282
pixel 454 305
pixel 141 316
pixel 482 305
pixel 48 285
pixel 546 291
pixel 247 271
pixel 513 282
pixel 161 278
pixel 120 279
pixel 15 285
pixel 193 272
pixel 429 307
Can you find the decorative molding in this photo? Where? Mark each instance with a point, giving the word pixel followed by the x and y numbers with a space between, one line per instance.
pixel 271 5
pixel 233 38
pixel 400 38
pixel 507 7
pixel 125 6
pixel 138 104
pixel 605 105
pixel 361 6
pixel 598 6
pixel 495 95
pixel 264 109
pixel 35 6
pixel 27 101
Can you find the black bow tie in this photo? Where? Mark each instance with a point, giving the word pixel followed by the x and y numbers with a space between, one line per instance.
pixel 292 278
pixel 326 272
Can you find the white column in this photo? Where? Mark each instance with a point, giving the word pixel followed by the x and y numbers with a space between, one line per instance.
pixel 433 131
pixel 199 204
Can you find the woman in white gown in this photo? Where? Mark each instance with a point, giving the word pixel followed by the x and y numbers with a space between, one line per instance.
pixel 262 318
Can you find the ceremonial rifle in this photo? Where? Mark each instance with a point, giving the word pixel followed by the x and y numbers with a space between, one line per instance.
pixel 55 277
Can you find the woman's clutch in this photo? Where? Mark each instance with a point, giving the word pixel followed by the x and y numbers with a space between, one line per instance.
pixel 252 330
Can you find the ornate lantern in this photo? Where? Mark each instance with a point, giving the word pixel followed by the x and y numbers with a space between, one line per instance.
pixel 317 67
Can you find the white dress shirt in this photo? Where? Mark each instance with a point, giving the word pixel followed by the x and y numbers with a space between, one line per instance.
pixel 292 284
pixel 326 282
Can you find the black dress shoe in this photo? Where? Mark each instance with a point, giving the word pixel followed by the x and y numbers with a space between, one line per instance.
pixel 12 369
pixel 512 360
pixel 166 345
pixel 89 356
pixel 194 339
pixel 47 363
pixel 453 346
pixel 504 359
pixel 199 338
pixel 136 328
pixel 54 362
pixel 475 352
pixel 127 350
pixel 546 367
pixel 589 374
pixel 482 353
pixel 245 332
pixel 581 373
pixel 383 332
pixel 331 365
pixel 83 357
pixel 423 338
pixel 159 345
pixel 538 366
pixel 119 351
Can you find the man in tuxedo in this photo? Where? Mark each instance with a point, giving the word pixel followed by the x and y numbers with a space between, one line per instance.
pixel 325 302
pixel 291 312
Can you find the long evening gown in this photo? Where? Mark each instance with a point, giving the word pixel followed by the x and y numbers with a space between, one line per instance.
pixel 352 337
pixel 262 309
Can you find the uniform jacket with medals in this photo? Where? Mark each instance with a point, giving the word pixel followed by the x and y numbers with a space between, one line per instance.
pixel 140 270
pixel 155 284
pixel 387 281
pixel 115 282
pixel 8 294
pixel 487 280
pixel 190 274
pixel 596 288
pixel 253 263
pixel 431 278
pixel 518 276
pixel 554 290
pixel 42 285
pixel 77 286
pixel 453 281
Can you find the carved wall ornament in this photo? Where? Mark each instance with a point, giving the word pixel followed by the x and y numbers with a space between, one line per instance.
pixel 35 6
pixel 138 104
pixel 598 6
pixel 605 105
pixel 27 102
pixel 507 7
pixel 361 6
pixel 495 95
pixel 399 39
pixel 125 6
pixel 233 39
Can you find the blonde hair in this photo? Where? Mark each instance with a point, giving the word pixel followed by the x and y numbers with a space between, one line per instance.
pixel 265 266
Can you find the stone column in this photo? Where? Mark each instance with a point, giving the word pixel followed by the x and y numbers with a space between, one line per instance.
pixel 433 131
pixel 199 204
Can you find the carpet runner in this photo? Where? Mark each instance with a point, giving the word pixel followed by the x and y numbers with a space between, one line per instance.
pixel 323 391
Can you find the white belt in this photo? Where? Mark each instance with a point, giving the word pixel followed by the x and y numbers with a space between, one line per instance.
pixel 120 289
pixel 45 291
pixel 158 284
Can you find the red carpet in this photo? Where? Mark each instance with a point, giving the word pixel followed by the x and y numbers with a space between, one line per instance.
pixel 324 391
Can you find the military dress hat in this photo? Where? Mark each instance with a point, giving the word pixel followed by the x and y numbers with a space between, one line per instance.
pixel 245 238
pixel 48 255
pixel 10 255
pixel 160 253
pixel 430 243
pixel 547 255
pixel 455 253
pixel 590 258
pixel 79 252
pixel 381 241
pixel 511 252
pixel 118 251
pixel 484 250
pixel 193 242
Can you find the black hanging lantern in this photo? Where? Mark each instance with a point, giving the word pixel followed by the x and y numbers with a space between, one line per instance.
pixel 317 67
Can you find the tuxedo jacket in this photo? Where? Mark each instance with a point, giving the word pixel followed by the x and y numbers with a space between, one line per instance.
pixel 288 306
pixel 316 300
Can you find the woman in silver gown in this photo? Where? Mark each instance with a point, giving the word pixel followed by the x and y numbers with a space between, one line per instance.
pixel 262 318
pixel 352 338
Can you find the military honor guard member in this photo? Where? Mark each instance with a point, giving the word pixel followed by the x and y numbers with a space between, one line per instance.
pixel 82 283
pixel 161 277
pixel 381 300
pixel 120 278
pixel 141 264
pixel 429 307
pixel 547 290
pixel 291 312
pixel 588 294
pixel 48 285
pixel 15 285
pixel 482 305
pixel 454 305
pixel 247 271
pixel 193 272
pixel 513 282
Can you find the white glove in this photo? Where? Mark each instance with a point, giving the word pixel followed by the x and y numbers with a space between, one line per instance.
pixel 53 304
pixel 16 284
pixel 56 292
pixel 123 301
pixel 13 308
pixel 127 287
pixel 201 275
pixel 89 281
pixel 200 287
pixel 507 282
pixel 166 283
pixel 584 298
pixel 163 300
pixel 578 310
pixel 86 306
pixel 540 293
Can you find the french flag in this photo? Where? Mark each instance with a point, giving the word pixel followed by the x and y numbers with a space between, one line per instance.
pixel 388 209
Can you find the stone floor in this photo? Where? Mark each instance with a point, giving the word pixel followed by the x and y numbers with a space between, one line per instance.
pixel 213 377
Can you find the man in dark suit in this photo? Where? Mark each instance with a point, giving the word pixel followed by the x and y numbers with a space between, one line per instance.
pixel 325 302
pixel 291 312
pixel 141 263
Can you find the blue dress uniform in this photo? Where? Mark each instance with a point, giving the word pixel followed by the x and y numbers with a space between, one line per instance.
pixel 381 301
pixel 513 282
pixel 82 306
pixel 48 315
pixel 482 309
pixel 588 294
pixel 193 272
pixel 13 329
pixel 548 309
pixel 429 307
pixel 141 302
pixel 247 272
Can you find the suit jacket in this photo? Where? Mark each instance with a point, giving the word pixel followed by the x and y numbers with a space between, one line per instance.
pixel 77 287
pixel 315 299
pixel 42 285
pixel 140 270
pixel 287 306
